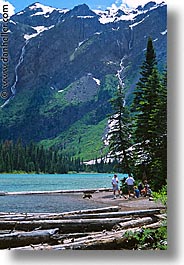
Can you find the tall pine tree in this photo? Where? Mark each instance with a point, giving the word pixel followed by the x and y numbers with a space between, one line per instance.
pixel 158 127
pixel 120 132
pixel 142 97
pixel 150 120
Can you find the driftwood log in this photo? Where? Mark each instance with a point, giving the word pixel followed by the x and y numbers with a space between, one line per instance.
pixel 106 212
pixel 25 238
pixel 102 228
pixel 55 216
pixel 56 191
pixel 105 240
pixel 65 226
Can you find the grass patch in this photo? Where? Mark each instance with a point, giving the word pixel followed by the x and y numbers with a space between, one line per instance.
pixel 81 140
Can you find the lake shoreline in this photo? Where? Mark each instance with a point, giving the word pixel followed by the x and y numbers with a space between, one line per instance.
pixel 98 199
pixel 57 192
pixel 141 203
pixel 57 197
pixel 42 173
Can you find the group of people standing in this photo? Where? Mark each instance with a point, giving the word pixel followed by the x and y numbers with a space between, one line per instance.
pixel 141 190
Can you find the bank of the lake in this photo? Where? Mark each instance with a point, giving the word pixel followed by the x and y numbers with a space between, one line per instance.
pixel 48 182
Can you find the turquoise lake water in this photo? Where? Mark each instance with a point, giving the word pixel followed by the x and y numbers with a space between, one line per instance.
pixel 48 182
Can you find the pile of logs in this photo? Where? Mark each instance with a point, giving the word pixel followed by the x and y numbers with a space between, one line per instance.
pixel 102 228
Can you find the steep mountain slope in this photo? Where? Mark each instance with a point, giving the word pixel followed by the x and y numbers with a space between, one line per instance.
pixel 63 67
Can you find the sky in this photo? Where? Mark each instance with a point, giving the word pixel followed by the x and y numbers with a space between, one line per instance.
pixel 18 5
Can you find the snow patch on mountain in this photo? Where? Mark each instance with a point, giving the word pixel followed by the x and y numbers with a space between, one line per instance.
pixel 13 22
pixel 39 29
pixel 113 15
pixel 164 32
pixel 20 13
pixel 97 81
pixel 112 123
pixel 45 9
pixel 89 17
pixel 137 23
pixel 123 13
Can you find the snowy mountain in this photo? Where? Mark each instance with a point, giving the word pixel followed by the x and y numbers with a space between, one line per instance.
pixel 63 67
pixel 115 14
pixel 39 15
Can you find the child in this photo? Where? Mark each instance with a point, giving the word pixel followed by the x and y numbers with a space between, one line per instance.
pixel 136 192
pixel 146 191
pixel 140 187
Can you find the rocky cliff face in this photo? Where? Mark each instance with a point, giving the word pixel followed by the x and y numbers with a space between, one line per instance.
pixel 63 65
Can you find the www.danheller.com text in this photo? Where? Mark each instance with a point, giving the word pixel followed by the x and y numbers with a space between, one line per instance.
pixel 4 52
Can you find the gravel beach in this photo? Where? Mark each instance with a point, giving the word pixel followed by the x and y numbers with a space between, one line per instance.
pixel 141 203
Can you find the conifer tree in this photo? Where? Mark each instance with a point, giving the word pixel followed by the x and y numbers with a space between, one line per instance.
pixel 142 105
pixel 120 132
pixel 150 104
pixel 142 97
pixel 158 127
pixel 146 70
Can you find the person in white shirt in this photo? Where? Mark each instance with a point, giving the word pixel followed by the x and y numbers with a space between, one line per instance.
pixel 130 184
pixel 115 186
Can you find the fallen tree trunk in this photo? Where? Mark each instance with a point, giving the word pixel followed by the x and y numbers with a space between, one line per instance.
pixel 88 242
pixel 154 225
pixel 53 216
pixel 112 239
pixel 115 214
pixel 136 223
pixel 106 240
pixel 106 237
pixel 108 212
pixel 101 228
pixel 96 210
pixel 58 191
pixel 72 224
pixel 66 226
pixel 26 238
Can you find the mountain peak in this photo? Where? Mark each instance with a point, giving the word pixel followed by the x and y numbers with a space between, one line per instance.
pixel 36 9
pixel 81 7
pixel 38 6
pixel 82 10
pixel 149 5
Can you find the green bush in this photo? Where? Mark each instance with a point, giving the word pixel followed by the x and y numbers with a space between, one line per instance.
pixel 161 195
pixel 147 239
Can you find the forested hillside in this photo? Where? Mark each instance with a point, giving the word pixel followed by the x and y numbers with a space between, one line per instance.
pixel 63 70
